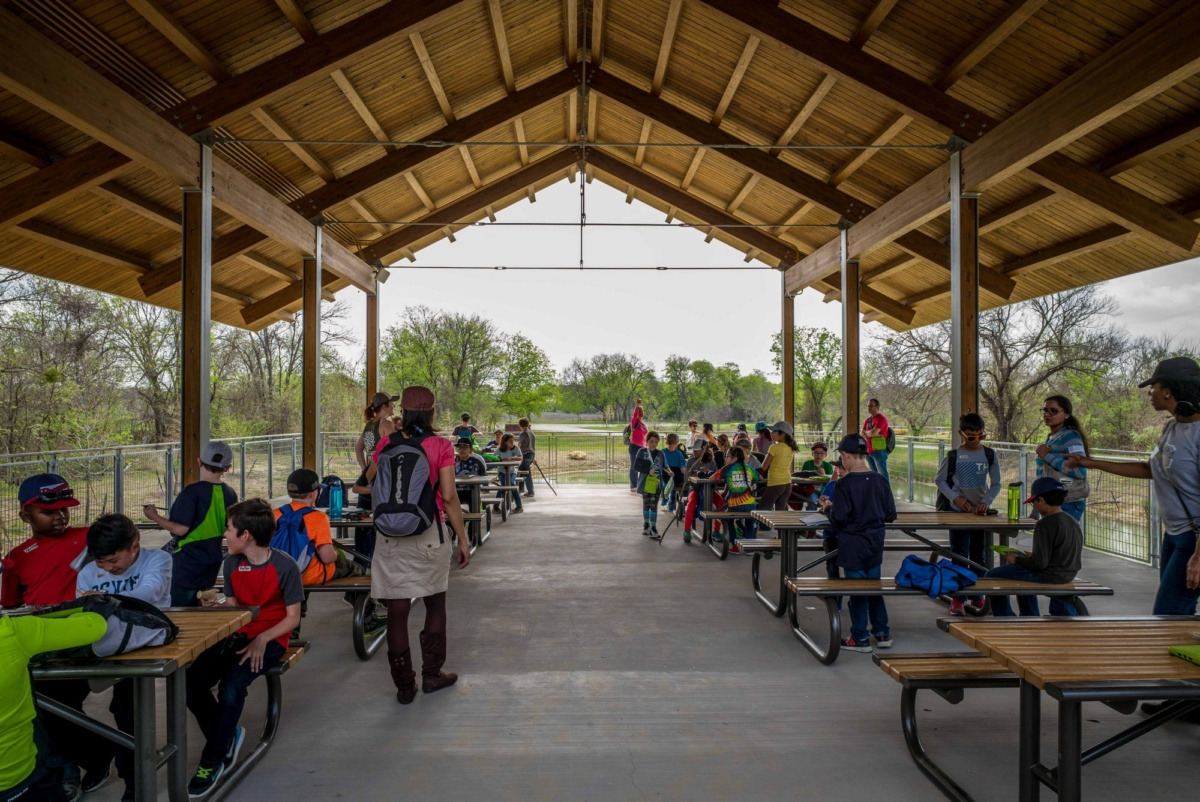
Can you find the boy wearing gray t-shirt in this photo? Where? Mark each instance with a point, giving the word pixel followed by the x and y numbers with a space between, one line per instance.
pixel 968 481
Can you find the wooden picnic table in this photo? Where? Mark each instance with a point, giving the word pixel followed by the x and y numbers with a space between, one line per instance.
pixel 199 628
pixel 1115 660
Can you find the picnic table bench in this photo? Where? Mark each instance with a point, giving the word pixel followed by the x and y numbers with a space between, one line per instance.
pixel 357 589
pixel 830 590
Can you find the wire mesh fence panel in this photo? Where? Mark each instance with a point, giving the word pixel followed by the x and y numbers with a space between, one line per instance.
pixel 583 458
pixel 12 529
pixel 1117 520
pixel 254 465
pixel 92 478
pixel 145 481
pixel 340 459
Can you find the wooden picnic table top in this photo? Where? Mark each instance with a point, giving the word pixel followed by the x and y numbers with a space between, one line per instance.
pixel 797 519
pixel 473 480
pixel 1091 649
pixel 199 628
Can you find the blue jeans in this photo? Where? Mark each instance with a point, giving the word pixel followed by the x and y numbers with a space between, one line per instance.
pixel 218 716
pixel 1173 597
pixel 969 544
pixel 181 597
pixel 748 524
pixel 1075 509
pixel 878 462
pixel 508 476
pixel 864 607
pixel 1028 605
pixel 527 465
pixel 633 475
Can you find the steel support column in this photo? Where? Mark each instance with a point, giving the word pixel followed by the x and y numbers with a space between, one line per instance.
pixel 964 297
pixel 850 339
pixel 310 429
pixel 373 343
pixel 787 358
pixel 197 317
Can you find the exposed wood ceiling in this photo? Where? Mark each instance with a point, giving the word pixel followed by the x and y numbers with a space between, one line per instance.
pixel 1082 118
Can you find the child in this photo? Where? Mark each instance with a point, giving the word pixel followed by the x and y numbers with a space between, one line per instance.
pixel 196 522
pixel 255 576
pixel 508 473
pixel 467 464
pixel 861 504
pixel 39 573
pixel 25 775
pixel 527 441
pixel 778 467
pixel 762 437
pixel 652 476
pixel 1056 555
pixel 326 562
pixel 494 444
pixel 739 492
pixel 968 481
pixel 818 465
pixel 829 541
pixel 120 565
pixel 703 464
pixel 676 461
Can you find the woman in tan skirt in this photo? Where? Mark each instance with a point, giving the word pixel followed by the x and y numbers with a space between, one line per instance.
pixel 418 566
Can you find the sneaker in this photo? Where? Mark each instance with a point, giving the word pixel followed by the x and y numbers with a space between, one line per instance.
pixel 957 607
pixel 204 780
pixel 883 641
pixel 633 490
pixel 654 535
pixel 717 537
pixel 94 780
pixel 527 495
pixel 852 645
pixel 374 624
pixel 645 529
pixel 979 602
pixel 687 535
pixel 239 736
pixel 736 548
pixel 516 510
pixel 71 792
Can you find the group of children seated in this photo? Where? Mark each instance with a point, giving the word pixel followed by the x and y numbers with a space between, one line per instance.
pixel 859 503
pixel 46 757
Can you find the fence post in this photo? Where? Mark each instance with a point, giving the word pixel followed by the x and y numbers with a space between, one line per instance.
pixel 941 451
pixel 169 456
pixel 270 468
pixel 1023 469
pixel 119 481
pixel 293 453
pixel 1152 524
pixel 911 466
pixel 242 462
pixel 52 467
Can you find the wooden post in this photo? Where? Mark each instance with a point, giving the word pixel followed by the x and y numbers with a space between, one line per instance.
pixel 310 428
pixel 373 343
pixel 850 340
pixel 788 351
pixel 964 298
pixel 197 319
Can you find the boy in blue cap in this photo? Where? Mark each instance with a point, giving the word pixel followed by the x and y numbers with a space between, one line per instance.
pixel 1056 556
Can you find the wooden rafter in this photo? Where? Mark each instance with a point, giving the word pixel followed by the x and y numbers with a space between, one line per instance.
pixel 19 148
pixel 889 268
pixel 420 192
pixel 280 299
pixel 360 208
pixel 431 76
pixel 1173 136
pixel 1013 17
pixel 690 175
pixel 664 49
pixel 795 217
pixel 83 246
pixel 522 150
pixel 469 162
pixel 871 23
pixel 740 198
pixel 501 38
pixel 1076 246
pixel 32 194
pixel 1001 217
pixel 269 267
pixel 643 138
pixel 144 207
pixel 291 10
pixel 302 152
pixel 593 110
pixel 179 36
pixel 886 135
pixel 571 30
pixel 596 32
pixel 805 112
pixel 735 79
pixel 573 116
pixel 361 108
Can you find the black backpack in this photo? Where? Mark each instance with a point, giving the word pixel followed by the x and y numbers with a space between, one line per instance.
pixel 330 481
pixel 891 440
pixel 132 623
pixel 943 503
pixel 405 489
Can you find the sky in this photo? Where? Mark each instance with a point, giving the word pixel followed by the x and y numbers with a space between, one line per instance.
pixel 649 312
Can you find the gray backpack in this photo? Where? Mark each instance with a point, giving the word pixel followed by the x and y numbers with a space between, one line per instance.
pixel 405 498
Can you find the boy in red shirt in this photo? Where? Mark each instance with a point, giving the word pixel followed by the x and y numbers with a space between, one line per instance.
pixel 38 572
pixel 255 576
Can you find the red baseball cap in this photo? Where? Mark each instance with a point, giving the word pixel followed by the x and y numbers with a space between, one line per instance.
pixel 417 399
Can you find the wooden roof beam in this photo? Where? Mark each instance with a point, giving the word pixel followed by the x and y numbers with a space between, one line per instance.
pixel 472 170
pixel 42 73
pixel 81 245
pixel 735 79
pixel 304 153
pixel 596 32
pixel 435 83
pixel 155 212
pixel 470 205
pixel 571 31
pixel 643 138
pixel 1076 246
pixel 361 208
pixel 797 214
pixel 740 198
pixel 664 49
pixel 291 9
pixel 80 172
pixel 1038 199
pixel 805 112
pixel 690 175
pixel 873 20
pixel 1172 137
pixel 180 37
pixel 361 108
pixel 420 192
pixel 859 158
pixel 18 148
pixel 269 267
pixel 1013 17
pixel 506 68
pixel 280 300
pixel 889 268
pixel 522 149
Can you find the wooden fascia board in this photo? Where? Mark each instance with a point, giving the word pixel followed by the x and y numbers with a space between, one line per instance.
pixel 42 73
pixel 383 248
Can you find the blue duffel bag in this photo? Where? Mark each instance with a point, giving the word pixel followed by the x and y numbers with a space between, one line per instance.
pixel 938 579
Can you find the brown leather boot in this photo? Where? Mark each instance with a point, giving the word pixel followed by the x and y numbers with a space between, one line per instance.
pixel 433 657
pixel 403 676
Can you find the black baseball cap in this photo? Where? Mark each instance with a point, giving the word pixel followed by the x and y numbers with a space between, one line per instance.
pixel 1177 368
pixel 302 481
pixel 853 444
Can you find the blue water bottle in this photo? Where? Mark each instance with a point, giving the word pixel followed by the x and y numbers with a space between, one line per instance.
pixel 335 501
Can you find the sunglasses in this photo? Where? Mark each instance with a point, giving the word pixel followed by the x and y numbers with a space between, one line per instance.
pixel 1050 411
pixel 50 495
pixel 971 438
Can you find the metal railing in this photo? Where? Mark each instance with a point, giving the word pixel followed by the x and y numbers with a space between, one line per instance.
pixel 1121 516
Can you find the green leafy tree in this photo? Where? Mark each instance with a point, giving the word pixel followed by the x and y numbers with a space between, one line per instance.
pixel 527 384
pixel 817 369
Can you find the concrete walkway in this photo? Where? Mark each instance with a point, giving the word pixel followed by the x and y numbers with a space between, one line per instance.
pixel 596 665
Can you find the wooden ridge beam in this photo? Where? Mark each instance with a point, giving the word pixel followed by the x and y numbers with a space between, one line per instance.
pixel 383 248
pixel 664 49
pixel 42 73
pixel 501 38
pixel 1173 136
pixel 872 21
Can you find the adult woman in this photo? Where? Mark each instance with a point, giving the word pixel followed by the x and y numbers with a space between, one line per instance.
pixel 637 441
pixel 1066 438
pixel 419 565
pixel 382 406
pixel 1174 467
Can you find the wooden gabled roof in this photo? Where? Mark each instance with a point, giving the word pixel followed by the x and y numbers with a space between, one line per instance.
pixel 1082 119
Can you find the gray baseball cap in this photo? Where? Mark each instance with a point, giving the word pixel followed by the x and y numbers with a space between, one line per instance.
pixel 217 453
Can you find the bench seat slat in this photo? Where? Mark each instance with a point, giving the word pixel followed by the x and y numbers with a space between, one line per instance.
pixel 986 586
pixel 932 668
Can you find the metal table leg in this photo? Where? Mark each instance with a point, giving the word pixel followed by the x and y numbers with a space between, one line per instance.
pixel 1030 751
pixel 177 774
pixel 145 749
pixel 1070 736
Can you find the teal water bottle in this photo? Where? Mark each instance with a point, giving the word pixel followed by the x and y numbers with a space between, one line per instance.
pixel 1014 501
pixel 335 501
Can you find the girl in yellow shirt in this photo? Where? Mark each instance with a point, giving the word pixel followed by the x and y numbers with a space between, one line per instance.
pixel 778 467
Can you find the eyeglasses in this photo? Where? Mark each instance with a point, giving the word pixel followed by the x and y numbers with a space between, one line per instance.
pixel 1050 411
